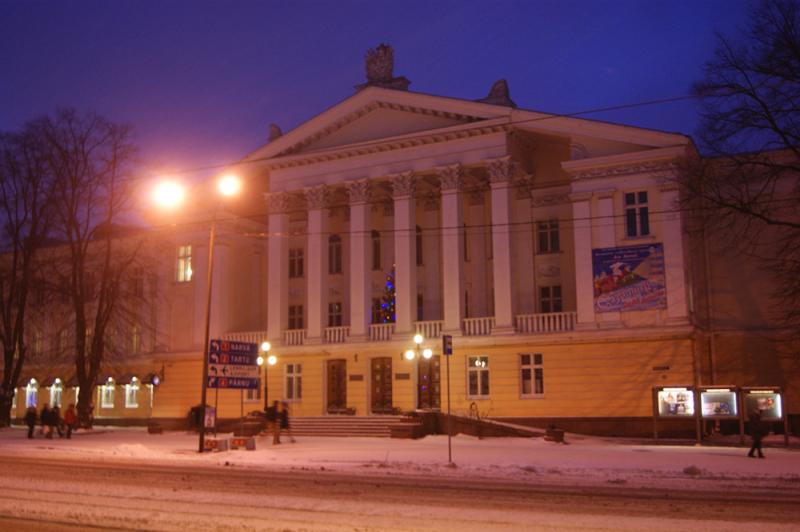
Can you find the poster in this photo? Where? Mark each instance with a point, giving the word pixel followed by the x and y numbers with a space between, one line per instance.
pixel 675 402
pixel 629 278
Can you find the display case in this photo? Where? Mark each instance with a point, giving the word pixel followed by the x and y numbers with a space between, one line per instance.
pixel 719 402
pixel 674 401
pixel 765 400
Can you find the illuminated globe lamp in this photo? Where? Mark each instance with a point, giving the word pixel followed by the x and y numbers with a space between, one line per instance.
pixel 418 352
pixel 266 360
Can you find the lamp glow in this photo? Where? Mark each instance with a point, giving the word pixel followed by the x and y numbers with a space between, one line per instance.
pixel 427 353
pixel 418 339
pixel 265 346
pixel 409 355
pixel 169 194
pixel 272 360
pixel 260 361
pixel 229 185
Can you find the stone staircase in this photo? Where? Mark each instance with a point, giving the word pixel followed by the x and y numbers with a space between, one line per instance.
pixel 377 426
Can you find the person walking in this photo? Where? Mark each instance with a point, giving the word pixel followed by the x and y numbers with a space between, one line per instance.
pixel 70 420
pixel 277 408
pixel 757 433
pixel 30 420
pixel 44 419
pixel 56 421
pixel 284 421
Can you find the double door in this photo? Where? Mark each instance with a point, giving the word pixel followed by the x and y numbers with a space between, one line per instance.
pixel 381 385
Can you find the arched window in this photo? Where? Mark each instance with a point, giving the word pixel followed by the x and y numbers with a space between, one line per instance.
pixel 31 393
pixel 376 250
pixel 419 246
pixel 56 392
pixel 335 254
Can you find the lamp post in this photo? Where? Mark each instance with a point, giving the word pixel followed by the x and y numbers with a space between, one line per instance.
pixel 270 360
pixel 170 194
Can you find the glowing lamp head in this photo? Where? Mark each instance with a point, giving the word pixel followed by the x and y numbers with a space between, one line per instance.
pixel 418 339
pixel 272 360
pixel 265 347
pixel 427 354
pixel 260 361
pixel 169 194
pixel 409 355
pixel 229 185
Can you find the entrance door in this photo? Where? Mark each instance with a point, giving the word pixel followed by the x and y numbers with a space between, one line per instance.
pixel 429 378
pixel 337 386
pixel 381 385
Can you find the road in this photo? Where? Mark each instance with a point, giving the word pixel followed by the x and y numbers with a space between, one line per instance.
pixel 43 495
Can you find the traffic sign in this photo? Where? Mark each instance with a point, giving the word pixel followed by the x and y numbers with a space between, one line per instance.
pixel 232 365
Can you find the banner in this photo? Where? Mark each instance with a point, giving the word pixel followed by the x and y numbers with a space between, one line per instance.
pixel 629 278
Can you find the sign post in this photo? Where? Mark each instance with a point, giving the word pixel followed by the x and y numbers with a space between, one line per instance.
pixel 447 349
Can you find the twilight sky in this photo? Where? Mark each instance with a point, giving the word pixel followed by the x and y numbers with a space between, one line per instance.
pixel 201 80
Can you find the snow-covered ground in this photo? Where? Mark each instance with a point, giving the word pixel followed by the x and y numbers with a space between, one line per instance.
pixel 582 461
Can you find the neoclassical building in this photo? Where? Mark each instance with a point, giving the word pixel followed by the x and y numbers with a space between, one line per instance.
pixel 554 250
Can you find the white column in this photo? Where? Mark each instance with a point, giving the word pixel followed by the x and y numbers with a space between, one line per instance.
pixel 277 260
pixel 604 224
pixel 358 192
pixel 500 173
pixel 672 237
pixel 584 281
pixel 317 270
pixel 405 252
pixel 452 247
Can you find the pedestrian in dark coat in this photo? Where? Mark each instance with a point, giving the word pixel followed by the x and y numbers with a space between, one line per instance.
pixel 274 418
pixel 30 420
pixel 757 431
pixel 70 420
pixel 56 421
pixel 45 420
pixel 285 420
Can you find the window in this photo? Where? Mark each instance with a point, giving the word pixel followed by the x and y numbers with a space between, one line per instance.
pixel 478 376
pixel 294 382
pixel 296 263
pixel 466 303
pixel 132 394
pixel 419 246
pixel 184 273
pixel 465 236
pixel 136 339
pixel 107 394
pixel 335 254
pixel 376 250
pixel 295 316
pixel 376 310
pixel 637 219
pixel 547 236
pixel 31 393
pixel 334 314
pixel 55 393
pixel 531 375
pixel 253 394
pixel 14 400
pixel 420 308
pixel 550 298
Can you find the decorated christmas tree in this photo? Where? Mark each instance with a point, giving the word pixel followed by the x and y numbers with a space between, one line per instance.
pixel 387 314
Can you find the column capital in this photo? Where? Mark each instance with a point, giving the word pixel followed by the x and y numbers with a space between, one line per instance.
pixel 501 170
pixel 451 177
pixel 358 191
pixel 278 202
pixel 316 197
pixel 403 185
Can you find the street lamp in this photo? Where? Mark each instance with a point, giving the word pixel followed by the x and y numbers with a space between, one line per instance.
pixel 270 360
pixel 170 194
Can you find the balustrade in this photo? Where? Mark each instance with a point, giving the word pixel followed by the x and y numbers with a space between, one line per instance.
pixel 381 332
pixel 294 337
pixel 548 322
pixel 429 329
pixel 337 335
pixel 478 326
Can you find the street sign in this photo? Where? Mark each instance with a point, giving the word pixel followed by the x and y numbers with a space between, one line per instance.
pixel 233 365
pixel 447 344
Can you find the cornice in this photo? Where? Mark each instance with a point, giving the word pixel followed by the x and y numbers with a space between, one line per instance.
pixel 659 161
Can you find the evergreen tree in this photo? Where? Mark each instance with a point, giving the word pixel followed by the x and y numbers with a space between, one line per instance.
pixel 387 312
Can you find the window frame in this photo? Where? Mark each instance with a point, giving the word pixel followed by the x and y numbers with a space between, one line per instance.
pixel 297 263
pixel 376 250
pixel 551 299
pixel 637 214
pixel 335 314
pixel 482 373
pixel 535 365
pixel 183 273
pixel 296 320
pixel 548 237
pixel 132 391
pixel 418 246
pixel 107 395
pixel 293 373
pixel 32 394
pixel 56 394
pixel 334 255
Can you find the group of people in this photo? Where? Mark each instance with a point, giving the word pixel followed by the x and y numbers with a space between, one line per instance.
pixel 51 421
pixel 277 417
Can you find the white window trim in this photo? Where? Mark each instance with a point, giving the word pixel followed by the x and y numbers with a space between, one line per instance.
pixel 103 389
pixel 296 376
pixel 31 394
pixel 478 371
pixel 129 388
pixel 53 394
pixel 532 366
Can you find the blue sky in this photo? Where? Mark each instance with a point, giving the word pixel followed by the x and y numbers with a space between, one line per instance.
pixel 200 81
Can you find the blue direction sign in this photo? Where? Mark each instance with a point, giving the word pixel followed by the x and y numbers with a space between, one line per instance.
pixel 232 365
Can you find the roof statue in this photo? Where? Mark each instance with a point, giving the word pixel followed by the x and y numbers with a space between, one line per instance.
pixel 498 95
pixel 379 66
pixel 274 132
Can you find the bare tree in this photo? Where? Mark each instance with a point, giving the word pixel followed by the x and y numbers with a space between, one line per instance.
pixel 748 183
pixel 90 159
pixel 25 215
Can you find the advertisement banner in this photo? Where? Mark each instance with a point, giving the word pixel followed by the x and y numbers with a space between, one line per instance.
pixel 629 278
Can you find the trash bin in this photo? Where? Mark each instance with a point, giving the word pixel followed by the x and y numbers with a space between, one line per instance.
pixel 196 417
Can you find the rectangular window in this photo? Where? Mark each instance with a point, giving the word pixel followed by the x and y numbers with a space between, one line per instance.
pixel 466 303
pixel 107 396
pixel 296 263
pixel 253 394
pixel 637 218
pixel 295 316
pixel 550 298
pixel 376 310
pixel 14 400
pixel 419 246
pixel 376 250
pixel 334 314
pixel 294 382
pixel 55 394
pixel 531 375
pixel 132 394
pixel 420 308
pixel 478 376
pixel 184 270
pixel 547 236
pixel 335 254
